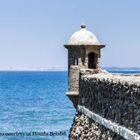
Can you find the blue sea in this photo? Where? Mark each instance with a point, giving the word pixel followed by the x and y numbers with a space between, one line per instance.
pixel 33 104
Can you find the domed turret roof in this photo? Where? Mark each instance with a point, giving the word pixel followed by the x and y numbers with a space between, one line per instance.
pixel 83 37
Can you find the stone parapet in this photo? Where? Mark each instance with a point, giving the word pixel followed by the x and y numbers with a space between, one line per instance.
pixel 85 128
pixel 114 97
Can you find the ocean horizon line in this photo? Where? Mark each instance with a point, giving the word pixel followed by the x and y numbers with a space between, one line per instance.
pixel 33 70
pixel 114 68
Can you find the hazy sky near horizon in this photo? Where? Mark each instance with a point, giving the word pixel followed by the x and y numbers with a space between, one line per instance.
pixel 32 32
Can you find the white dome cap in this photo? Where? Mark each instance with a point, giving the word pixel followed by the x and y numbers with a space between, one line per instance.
pixel 83 37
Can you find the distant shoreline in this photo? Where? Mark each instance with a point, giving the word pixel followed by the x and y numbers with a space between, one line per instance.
pixel 122 69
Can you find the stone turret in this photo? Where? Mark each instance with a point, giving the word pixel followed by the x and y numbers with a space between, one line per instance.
pixel 83 53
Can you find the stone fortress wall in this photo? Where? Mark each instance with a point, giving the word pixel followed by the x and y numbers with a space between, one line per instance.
pixel 108 107
pixel 107 104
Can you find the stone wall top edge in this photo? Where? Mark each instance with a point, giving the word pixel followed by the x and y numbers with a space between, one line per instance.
pixel 130 79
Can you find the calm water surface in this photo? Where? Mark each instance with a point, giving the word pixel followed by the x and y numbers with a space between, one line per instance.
pixel 34 101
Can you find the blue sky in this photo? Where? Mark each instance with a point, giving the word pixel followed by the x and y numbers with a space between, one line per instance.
pixel 32 32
